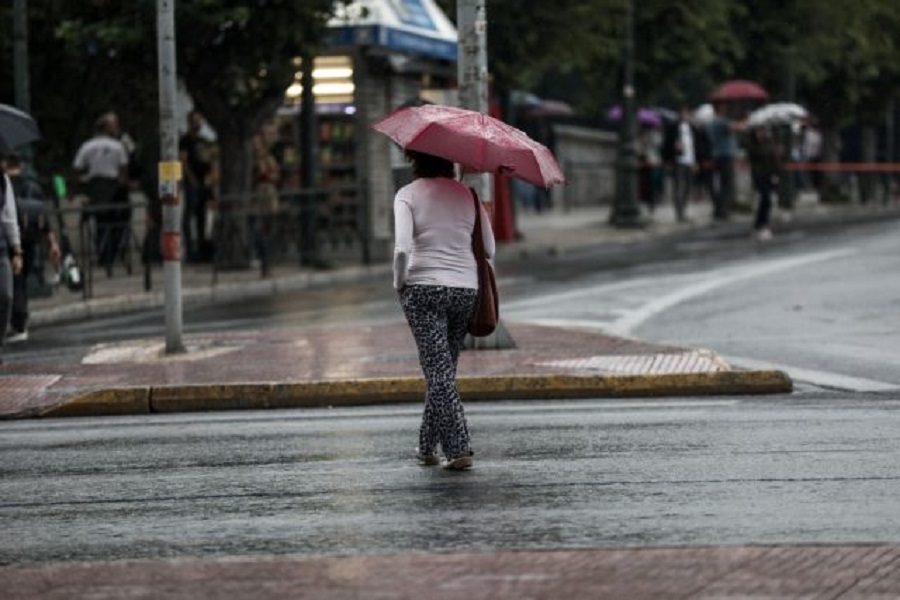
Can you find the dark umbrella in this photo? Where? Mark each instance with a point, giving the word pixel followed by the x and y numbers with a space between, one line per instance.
pixel 739 89
pixel 17 128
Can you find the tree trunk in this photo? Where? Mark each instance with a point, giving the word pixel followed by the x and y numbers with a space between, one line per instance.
pixel 869 155
pixel 235 128
pixel 831 153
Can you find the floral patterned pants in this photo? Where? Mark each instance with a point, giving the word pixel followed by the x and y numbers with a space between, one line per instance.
pixel 437 316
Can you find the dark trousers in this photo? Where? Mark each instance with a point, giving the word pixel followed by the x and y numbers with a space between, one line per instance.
pixel 111 213
pixel 19 318
pixel 723 199
pixel 112 241
pixel 681 189
pixel 6 292
pixel 197 246
pixel 765 188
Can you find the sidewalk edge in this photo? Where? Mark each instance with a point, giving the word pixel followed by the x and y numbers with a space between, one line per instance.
pixel 361 392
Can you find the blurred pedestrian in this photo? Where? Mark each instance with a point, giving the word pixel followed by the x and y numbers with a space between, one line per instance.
pixel 435 275
pixel 103 161
pixel 680 153
pixel 651 174
pixel 34 231
pixel 765 157
pixel 724 148
pixel 198 151
pixel 704 177
pixel 10 252
pixel 266 195
pixel 810 154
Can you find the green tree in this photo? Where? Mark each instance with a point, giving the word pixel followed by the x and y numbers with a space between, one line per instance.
pixel 678 44
pixel 840 59
pixel 235 60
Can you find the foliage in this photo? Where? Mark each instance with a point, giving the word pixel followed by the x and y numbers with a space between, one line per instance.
pixel 840 57
pixel 675 42
pixel 235 59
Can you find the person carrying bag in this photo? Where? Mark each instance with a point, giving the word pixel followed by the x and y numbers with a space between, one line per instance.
pixel 436 274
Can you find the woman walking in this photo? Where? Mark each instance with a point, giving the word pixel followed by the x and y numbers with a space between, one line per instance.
pixel 435 275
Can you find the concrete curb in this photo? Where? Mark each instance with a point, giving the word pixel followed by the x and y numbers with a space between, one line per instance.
pixel 361 392
pixel 203 296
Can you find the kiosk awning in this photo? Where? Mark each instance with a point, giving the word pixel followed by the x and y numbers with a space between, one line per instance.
pixel 409 26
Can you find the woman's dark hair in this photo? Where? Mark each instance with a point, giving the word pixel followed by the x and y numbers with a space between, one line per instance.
pixel 428 165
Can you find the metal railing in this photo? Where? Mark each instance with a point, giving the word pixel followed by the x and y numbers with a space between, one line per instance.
pixel 305 227
pixel 111 237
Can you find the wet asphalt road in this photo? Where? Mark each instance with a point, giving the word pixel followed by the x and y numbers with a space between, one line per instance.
pixel 817 466
pixel 548 475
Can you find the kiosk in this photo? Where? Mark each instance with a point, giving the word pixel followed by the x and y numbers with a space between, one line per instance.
pixel 381 54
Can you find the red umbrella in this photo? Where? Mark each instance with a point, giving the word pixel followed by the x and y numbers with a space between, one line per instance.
pixel 476 141
pixel 739 89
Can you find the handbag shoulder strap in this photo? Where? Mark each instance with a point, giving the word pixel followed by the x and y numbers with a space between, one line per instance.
pixel 477 239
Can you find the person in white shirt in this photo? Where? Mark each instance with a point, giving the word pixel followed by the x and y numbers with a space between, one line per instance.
pixel 685 163
pixel 435 275
pixel 103 160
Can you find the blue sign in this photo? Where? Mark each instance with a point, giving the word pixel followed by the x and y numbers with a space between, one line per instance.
pixel 403 41
pixel 413 13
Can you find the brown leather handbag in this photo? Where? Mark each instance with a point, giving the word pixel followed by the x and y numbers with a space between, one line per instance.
pixel 486 313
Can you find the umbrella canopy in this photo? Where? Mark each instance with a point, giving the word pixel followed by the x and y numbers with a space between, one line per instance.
pixel 17 128
pixel 474 140
pixel 739 89
pixel 778 113
pixel 703 113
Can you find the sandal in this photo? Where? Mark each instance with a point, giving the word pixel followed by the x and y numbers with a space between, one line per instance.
pixel 460 463
pixel 428 460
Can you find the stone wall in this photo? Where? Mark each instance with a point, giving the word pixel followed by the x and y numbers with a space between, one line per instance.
pixel 588 159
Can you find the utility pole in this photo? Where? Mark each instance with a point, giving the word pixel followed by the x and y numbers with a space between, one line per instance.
pixel 22 80
pixel 472 73
pixel 625 210
pixel 20 55
pixel 472 70
pixel 169 173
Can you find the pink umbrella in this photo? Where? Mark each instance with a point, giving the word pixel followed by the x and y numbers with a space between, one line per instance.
pixel 740 89
pixel 476 141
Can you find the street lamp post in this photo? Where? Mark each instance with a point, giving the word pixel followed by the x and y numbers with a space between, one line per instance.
pixel 626 212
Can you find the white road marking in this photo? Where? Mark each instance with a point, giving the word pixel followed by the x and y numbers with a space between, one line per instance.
pixel 825 379
pixel 577 294
pixel 625 319
pixel 718 280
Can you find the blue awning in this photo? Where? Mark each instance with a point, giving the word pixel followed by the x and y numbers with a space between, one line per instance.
pixel 409 26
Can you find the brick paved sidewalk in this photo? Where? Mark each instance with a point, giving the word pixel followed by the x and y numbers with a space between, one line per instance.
pixel 759 572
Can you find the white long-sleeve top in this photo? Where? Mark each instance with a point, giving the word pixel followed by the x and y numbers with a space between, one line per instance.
pixel 9 237
pixel 433 222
